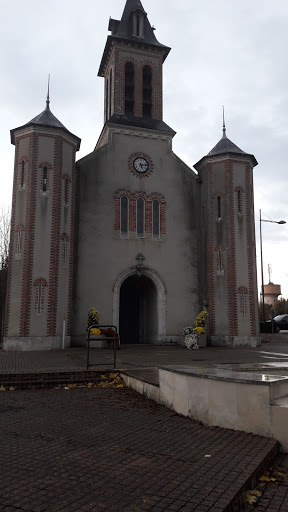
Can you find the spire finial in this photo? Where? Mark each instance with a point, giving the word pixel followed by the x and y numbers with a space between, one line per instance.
pixel 224 126
pixel 48 93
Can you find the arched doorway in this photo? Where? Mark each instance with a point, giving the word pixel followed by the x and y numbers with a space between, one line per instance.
pixel 138 314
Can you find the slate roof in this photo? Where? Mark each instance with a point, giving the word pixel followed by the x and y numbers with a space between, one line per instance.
pixel 140 122
pixel 46 119
pixel 226 146
pixel 121 31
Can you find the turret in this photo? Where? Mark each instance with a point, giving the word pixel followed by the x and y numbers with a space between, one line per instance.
pixel 39 290
pixel 229 278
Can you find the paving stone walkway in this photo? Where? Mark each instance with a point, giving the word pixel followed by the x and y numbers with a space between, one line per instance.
pixel 111 450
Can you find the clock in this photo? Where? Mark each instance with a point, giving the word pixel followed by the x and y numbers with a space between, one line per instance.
pixel 140 164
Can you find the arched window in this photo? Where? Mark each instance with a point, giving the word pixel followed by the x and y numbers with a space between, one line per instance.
pixel 129 88
pixel 19 236
pixel 22 173
pixel 140 217
pixel 44 183
pixel 147 91
pixel 239 201
pixel 40 285
pixel 156 219
pixel 124 215
pixel 110 94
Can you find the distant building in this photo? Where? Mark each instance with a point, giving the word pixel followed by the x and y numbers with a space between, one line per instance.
pixel 271 293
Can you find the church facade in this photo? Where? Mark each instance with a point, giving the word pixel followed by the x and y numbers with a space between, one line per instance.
pixel 129 229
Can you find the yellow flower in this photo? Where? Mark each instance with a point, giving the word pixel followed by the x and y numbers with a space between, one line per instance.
pixel 95 331
pixel 199 330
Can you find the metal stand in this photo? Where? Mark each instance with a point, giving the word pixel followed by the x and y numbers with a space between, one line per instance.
pixel 110 338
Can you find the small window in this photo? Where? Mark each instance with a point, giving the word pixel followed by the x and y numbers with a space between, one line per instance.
pixel 220 261
pixel 22 174
pixel 138 24
pixel 64 251
pixel 129 88
pixel 39 301
pixel 19 236
pixel 239 201
pixel 140 217
pixel 44 184
pixel 156 219
pixel 219 207
pixel 124 215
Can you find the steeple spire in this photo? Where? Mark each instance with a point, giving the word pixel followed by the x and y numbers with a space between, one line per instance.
pixel 48 94
pixel 224 126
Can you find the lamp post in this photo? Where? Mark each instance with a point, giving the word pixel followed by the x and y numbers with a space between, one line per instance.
pixel 263 298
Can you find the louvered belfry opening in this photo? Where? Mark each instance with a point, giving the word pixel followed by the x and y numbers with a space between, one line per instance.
pixel 129 88
pixel 147 91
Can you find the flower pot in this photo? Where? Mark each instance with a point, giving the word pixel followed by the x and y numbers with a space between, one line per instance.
pixel 202 341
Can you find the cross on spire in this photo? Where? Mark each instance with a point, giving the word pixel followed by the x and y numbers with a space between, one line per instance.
pixel 224 126
pixel 48 93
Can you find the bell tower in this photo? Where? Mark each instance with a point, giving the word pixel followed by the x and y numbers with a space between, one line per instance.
pixel 39 288
pixel 227 231
pixel 132 69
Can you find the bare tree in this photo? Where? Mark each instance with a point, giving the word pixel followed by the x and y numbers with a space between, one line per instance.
pixel 4 257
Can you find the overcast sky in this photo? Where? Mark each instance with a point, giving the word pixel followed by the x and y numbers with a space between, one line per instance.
pixel 225 52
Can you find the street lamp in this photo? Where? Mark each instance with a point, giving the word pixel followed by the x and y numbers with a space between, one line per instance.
pixel 273 222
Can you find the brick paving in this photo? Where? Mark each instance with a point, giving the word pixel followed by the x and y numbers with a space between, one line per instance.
pixel 142 355
pixel 275 494
pixel 111 450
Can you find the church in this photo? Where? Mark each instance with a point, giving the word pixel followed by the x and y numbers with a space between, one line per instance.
pixel 129 229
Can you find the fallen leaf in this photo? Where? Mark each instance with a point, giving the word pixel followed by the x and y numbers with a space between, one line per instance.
pixel 2 388
pixel 206 456
pixel 278 473
pixel 11 388
pixel 250 498
pixel 265 478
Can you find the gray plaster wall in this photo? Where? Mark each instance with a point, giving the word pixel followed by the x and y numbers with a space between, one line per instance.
pixel 65 228
pixel 101 256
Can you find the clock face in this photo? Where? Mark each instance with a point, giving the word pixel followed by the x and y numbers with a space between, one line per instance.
pixel 140 165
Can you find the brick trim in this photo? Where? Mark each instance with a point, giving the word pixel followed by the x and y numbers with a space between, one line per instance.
pixel 132 197
pixel 28 250
pixel 251 250
pixel 231 251
pixel 55 238
pixel 210 254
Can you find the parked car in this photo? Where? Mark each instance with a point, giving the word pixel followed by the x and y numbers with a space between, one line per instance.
pixel 281 322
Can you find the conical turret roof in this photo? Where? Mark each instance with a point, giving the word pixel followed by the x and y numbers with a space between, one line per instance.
pixel 226 146
pixel 45 119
